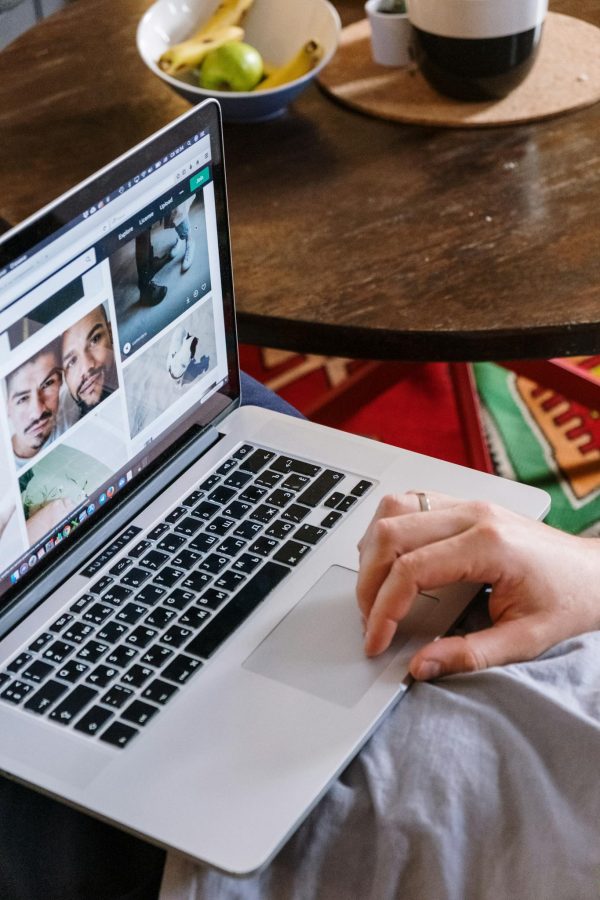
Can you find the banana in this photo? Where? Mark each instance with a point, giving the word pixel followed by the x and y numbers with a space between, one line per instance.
pixel 227 13
pixel 306 59
pixel 190 53
pixel 222 26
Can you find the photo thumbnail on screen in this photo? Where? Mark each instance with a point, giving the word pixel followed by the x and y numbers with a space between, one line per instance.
pixel 160 272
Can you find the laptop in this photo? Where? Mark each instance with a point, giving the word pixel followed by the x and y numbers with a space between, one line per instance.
pixel 180 646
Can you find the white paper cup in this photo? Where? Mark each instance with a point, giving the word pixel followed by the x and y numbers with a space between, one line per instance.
pixel 391 35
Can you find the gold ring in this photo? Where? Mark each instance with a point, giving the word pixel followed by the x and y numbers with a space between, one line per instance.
pixel 423 501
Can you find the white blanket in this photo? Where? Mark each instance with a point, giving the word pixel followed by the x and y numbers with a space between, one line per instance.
pixel 479 786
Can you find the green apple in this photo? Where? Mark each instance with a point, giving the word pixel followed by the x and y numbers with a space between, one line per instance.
pixel 234 66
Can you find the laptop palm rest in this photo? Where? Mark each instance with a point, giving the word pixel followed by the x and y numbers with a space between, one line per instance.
pixel 318 646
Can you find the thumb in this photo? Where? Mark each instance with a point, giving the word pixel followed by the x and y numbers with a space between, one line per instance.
pixel 504 642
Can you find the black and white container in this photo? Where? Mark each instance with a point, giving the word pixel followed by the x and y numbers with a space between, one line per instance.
pixel 476 49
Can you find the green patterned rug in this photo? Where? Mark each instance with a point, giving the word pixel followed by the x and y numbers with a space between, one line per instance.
pixel 539 437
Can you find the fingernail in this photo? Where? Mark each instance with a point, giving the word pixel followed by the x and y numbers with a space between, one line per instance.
pixel 428 669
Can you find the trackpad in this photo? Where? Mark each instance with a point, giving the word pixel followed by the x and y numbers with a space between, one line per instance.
pixel 318 646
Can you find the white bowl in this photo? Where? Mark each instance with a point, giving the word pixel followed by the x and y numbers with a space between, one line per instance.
pixel 277 28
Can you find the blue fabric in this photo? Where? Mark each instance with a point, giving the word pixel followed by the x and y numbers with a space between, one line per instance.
pixel 256 394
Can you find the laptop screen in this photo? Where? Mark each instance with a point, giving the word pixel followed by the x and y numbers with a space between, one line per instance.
pixel 116 337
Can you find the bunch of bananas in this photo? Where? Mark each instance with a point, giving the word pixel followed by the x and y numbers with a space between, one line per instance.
pixel 224 27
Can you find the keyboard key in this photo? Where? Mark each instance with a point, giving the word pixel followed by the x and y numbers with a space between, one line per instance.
pixel 295 482
pixel 150 594
pixel 121 566
pixel 247 529
pixel 72 670
pixel 78 632
pixel 214 562
pixel 101 585
pixel 73 703
pixel 280 497
pixel 61 623
pixel 330 519
pixel 159 617
pixel 139 713
pixel 58 651
pixel 310 534
pixel 194 617
pixel 286 464
pixel 208 483
pixel 212 598
pixel 102 675
pixel 141 636
pixel 48 694
pixel 93 720
pixel 117 594
pixel 168 576
pixel 135 577
pixel 4 678
pixel 243 451
pixel 231 546
pixel 229 581
pixel 264 546
pixel 112 632
pixel 159 691
pixel 236 510
pixel 295 513
pixel 158 531
pixel 179 598
pixel 154 560
pixel 264 513
pixel 361 488
pixel 140 549
pixel 92 651
pixel 41 640
pixel 246 563
pixel 181 668
pixel 238 479
pixel 346 503
pixel 237 610
pixel 119 734
pixel 175 514
pixel 176 636
pixel 156 656
pixel 117 696
pixel 37 671
pixel 121 656
pixel 226 466
pixel 188 526
pixel 206 510
pixel 333 501
pixel 253 493
pixel 291 553
pixel 97 613
pixel 269 478
pixel 192 498
pixel 257 460
pixel 221 494
pixel 17 691
pixel 21 660
pixel 322 486
pixel 82 603
pixel 221 525
pixel 131 613
pixel 185 559
pixel 137 675
pixel 170 543
pixel 280 529
pixel 203 542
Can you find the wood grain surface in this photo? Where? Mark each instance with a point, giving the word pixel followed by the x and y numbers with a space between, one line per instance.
pixel 351 235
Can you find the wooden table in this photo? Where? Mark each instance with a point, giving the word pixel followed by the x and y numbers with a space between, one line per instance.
pixel 351 236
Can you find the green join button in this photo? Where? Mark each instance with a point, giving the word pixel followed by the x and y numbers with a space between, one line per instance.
pixel 200 178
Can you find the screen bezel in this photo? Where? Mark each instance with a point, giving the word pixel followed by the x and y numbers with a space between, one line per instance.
pixel 67 208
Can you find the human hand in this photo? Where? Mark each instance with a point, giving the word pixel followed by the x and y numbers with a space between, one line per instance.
pixel 544 581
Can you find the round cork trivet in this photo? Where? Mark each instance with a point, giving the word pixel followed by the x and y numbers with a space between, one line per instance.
pixel 565 76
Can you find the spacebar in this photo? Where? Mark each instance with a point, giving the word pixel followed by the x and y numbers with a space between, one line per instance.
pixel 245 601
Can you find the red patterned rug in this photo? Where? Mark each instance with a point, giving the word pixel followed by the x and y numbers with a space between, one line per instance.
pixel 534 435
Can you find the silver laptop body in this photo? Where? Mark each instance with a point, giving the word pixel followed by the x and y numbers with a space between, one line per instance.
pixel 144 514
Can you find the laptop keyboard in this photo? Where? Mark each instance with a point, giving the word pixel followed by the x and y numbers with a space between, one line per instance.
pixel 117 654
